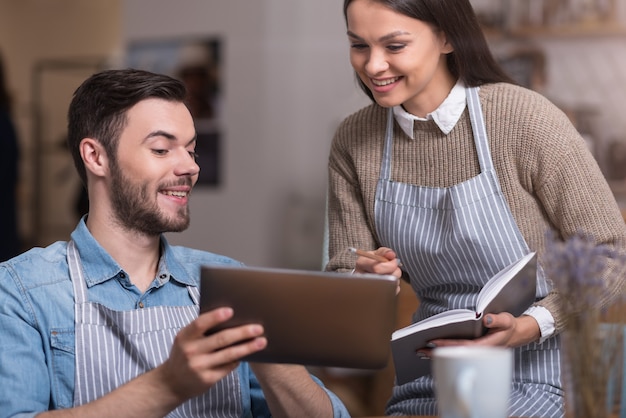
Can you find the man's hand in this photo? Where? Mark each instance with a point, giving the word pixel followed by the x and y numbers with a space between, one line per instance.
pixel 198 362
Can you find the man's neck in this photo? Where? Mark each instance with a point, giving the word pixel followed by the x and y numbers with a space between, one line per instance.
pixel 138 254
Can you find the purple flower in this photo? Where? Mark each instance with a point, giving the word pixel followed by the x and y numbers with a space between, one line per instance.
pixel 578 269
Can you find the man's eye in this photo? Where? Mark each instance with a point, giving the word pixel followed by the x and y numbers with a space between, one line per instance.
pixel 159 151
pixel 193 155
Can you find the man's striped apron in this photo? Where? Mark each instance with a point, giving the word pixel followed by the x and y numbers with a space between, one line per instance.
pixel 113 347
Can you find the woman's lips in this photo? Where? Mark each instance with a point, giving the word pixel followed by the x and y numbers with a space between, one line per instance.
pixel 383 85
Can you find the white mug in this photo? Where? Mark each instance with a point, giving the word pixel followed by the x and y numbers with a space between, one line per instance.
pixel 472 381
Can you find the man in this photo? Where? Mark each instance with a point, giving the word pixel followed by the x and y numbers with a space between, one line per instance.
pixel 107 325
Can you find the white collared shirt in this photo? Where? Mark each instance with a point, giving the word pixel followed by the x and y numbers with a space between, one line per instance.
pixel 445 116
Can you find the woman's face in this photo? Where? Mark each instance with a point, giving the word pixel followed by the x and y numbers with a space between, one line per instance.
pixel 400 59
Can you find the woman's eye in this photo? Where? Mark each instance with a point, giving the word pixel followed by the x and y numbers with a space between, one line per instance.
pixel 396 47
pixel 358 46
pixel 193 155
pixel 159 151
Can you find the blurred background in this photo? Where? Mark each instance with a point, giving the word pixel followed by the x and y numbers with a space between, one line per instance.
pixel 272 81
pixel 284 83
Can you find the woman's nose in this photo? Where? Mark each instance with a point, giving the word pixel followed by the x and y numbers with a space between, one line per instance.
pixel 376 62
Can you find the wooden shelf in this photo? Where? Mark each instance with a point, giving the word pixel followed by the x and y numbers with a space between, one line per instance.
pixel 584 29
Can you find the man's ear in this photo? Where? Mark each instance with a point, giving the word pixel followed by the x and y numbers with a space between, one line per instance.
pixel 94 156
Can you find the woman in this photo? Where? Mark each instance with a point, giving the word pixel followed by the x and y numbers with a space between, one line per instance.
pixel 458 172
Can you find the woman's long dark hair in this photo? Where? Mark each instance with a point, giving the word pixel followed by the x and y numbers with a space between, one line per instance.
pixel 471 61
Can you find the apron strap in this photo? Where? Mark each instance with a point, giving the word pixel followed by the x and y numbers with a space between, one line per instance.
pixel 385 168
pixel 479 130
pixel 76 273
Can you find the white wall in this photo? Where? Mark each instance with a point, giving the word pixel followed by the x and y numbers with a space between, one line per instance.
pixel 288 83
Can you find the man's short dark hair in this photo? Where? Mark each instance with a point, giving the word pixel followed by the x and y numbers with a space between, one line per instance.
pixel 99 105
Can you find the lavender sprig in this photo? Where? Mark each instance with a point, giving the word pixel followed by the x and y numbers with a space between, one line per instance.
pixel 579 269
pixel 576 267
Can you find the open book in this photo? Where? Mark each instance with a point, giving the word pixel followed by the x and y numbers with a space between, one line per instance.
pixel 511 290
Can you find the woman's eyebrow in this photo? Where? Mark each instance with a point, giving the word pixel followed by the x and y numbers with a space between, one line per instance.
pixel 382 38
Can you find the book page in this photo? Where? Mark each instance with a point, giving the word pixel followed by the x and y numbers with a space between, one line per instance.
pixel 447 317
pixel 495 285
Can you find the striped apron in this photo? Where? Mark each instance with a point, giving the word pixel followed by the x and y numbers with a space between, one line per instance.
pixel 113 347
pixel 451 241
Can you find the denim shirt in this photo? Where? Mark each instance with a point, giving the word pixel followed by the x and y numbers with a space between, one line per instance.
pixel 37 319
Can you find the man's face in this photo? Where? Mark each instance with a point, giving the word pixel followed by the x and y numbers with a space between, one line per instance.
pixel 155 168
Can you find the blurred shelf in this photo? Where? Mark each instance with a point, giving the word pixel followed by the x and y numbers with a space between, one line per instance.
pixel 575 30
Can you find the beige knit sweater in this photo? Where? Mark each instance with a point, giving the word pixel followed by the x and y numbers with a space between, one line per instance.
pixel 549 178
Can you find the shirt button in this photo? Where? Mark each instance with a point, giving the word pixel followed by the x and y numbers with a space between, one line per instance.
pixel 163 276
pixel 141 304
pixel 122 275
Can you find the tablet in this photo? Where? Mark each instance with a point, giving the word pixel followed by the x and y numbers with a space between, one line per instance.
pixel 311 318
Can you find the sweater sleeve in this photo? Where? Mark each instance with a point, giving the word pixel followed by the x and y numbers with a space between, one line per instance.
pixel 576 199
pixel 347 215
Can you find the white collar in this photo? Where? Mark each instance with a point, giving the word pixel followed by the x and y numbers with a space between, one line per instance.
pixel 445 116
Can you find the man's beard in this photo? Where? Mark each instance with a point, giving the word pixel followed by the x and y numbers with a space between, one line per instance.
pixel 136 210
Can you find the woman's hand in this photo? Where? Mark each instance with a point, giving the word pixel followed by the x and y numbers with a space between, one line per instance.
pixel 509 331
pixel 503 330
pixel 368 265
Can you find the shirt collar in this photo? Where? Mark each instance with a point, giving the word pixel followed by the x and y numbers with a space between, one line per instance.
pixel 445 116
pixel 99 266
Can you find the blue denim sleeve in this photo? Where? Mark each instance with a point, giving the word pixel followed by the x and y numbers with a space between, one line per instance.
pixel 258 405
pixel 23 371
pixel 339 409
pixel 260 409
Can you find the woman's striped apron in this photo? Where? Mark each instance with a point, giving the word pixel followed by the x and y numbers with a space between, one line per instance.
pixel 113 347
pixel 451 241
